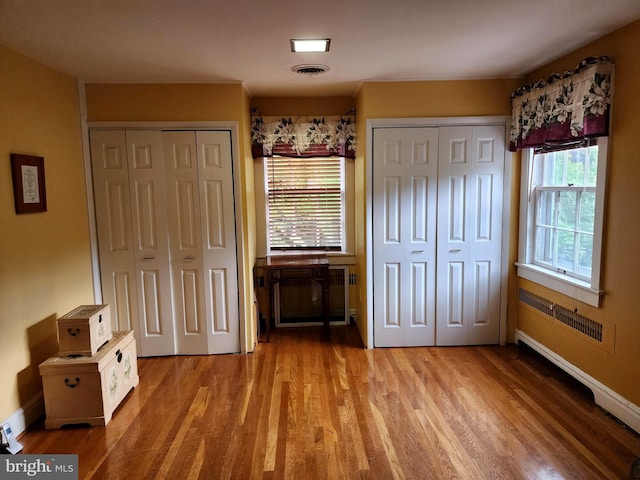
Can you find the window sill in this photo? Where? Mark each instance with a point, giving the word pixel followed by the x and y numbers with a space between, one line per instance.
pixel 563 284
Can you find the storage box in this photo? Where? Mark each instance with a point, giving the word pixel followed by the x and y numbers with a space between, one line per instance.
pixel 86 390
pixel 84 330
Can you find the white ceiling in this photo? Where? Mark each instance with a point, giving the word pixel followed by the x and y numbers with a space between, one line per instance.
pixel 247 41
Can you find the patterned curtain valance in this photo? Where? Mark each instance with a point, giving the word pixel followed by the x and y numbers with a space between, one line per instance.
pixel 566 107
pixel 303 136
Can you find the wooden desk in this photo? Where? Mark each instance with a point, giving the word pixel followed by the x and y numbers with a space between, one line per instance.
pixel 318 268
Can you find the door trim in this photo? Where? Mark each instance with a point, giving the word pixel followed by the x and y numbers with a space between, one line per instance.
pixel 232 127
pixel 373 123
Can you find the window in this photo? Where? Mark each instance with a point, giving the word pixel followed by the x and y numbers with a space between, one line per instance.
pixel 562 206
pixel 305 203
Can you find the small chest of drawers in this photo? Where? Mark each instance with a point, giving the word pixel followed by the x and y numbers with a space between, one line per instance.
pixel 87 390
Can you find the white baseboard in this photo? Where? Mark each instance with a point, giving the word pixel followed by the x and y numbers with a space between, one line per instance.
pixel 26 415
pixel 621 408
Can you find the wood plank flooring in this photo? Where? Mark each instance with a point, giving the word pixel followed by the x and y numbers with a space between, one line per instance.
pixel 308 407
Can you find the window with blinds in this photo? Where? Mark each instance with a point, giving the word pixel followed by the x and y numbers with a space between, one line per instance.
pixel 305 202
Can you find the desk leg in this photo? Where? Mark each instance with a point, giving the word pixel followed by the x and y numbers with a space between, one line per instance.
pixel 325 299
pixel 267 310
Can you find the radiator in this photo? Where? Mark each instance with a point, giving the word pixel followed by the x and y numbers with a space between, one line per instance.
pixel 298 301
pixel 580 323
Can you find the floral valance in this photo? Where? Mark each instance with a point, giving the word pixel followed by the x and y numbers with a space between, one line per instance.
pixel 564 108
pixel 303 136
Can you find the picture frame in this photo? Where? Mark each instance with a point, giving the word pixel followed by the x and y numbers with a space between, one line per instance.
pixel 29 190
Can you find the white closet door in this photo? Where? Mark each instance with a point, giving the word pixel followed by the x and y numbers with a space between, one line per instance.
pixel 132 236
pixel 151 246
pixel 404 219
pixel 202 238
pixel 113 218
pixel 471 165
pixel 183 212
pixel 218 240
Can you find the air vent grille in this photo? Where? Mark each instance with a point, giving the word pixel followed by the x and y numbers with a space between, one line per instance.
pixel 571 318
pixel 310 70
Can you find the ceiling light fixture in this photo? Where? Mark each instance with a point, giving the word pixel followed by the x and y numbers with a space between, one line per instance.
pixel 310 45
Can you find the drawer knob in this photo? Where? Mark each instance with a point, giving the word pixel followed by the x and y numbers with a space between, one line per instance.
pixel 71 385
pixel 73 332
pixel 119 355
pixel 100 318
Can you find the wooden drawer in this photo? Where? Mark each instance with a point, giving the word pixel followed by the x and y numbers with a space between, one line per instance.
pixel 88 389
pixel 84 330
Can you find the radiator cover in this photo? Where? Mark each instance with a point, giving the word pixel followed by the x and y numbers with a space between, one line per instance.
pixel 580 323
pixel 298 300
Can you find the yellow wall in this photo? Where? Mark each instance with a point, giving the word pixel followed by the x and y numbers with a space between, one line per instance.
pixel 618 369
pixel 160 102
pixel 45 265
pixel 425 99
pixel 193 102
pixel 274 106
pixel 436 99
pixel 248 218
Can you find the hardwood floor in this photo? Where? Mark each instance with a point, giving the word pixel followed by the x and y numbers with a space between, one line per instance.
pixel 306 407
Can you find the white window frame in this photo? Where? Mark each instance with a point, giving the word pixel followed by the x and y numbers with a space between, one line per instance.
pixel 347 254
pixel 588 291
pixel 557 191
pixel 342 212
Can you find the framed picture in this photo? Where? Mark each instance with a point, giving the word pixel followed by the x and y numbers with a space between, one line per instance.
pixel 28 183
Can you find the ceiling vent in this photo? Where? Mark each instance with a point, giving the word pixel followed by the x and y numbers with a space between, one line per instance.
pixel 310 70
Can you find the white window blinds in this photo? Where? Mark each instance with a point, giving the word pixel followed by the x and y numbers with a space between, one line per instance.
pixel 305 202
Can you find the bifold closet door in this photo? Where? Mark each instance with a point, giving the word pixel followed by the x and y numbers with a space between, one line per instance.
pixel 404 237
pixel 201 216
pixel 166 236
pixel 437 235
pixel 471 166
pixel 129 190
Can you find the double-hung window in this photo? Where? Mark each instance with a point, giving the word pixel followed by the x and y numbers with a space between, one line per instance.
pixel 562 207
pixel 305 203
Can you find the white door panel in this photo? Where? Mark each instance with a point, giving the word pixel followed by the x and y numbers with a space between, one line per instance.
pixel 115 238
pixel 485 253
pixel 437 185
pixel 453 247
pixel 151 247
pixel 405 169
pixel 166 234
pixel 188 320
pixel 219 250
pixel 200 179
pixel 469 234
pixel 185 240
pixel 118 290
